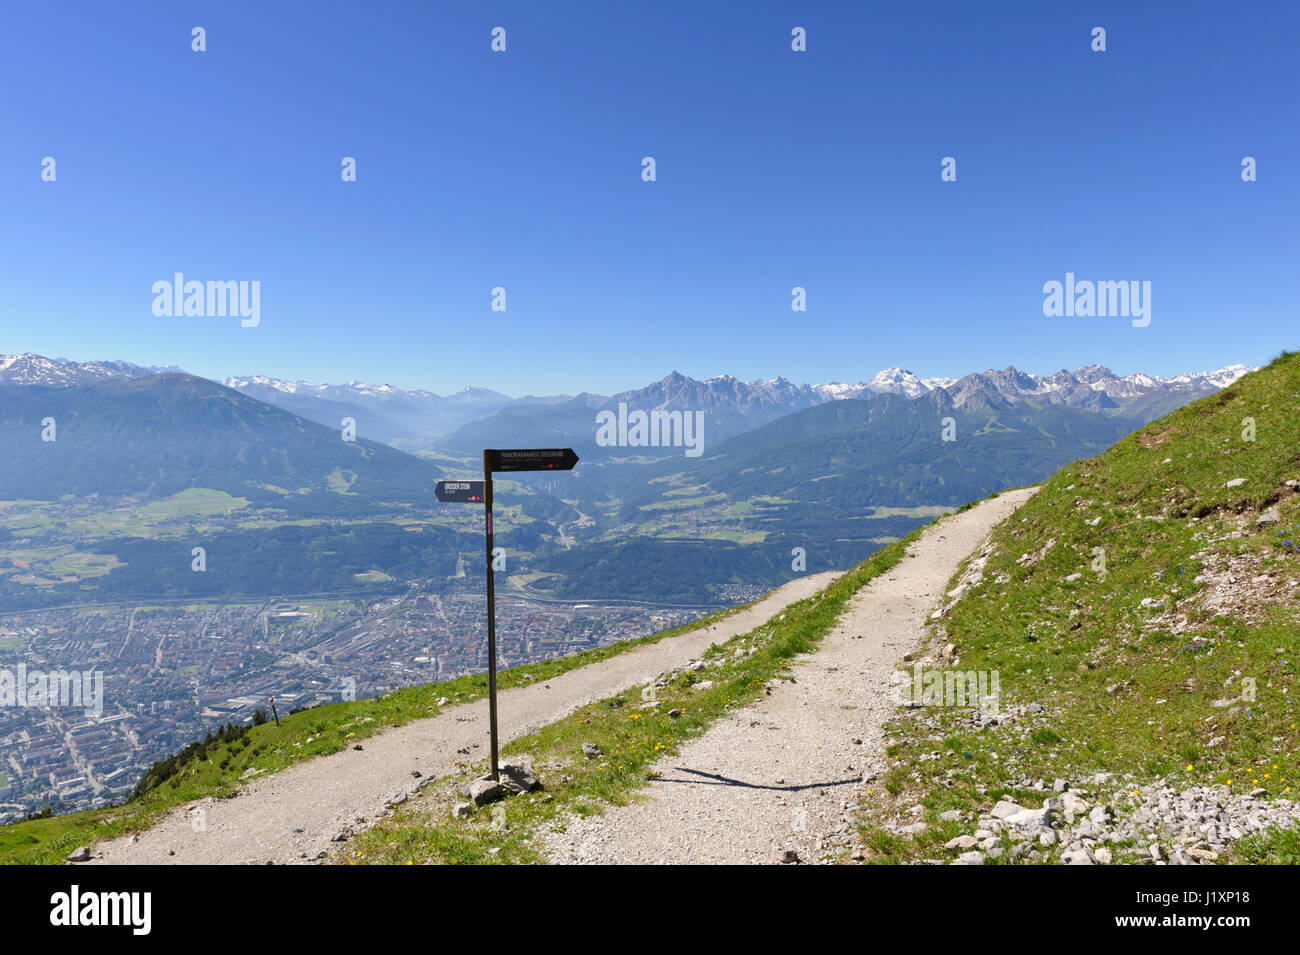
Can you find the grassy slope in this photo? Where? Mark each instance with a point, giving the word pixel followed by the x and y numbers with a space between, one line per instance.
pixel 268 748
pixel 1129 689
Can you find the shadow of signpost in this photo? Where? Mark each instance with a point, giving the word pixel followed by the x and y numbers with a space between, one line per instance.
pixel 714 779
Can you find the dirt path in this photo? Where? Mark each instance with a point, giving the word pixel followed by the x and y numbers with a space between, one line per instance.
pixel 783 773
pixel 293 815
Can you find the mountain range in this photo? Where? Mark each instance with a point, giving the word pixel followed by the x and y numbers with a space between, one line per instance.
pixel 732 406
pixel 154 436
pixel 32 369
pixel 835 470
pixel 417 420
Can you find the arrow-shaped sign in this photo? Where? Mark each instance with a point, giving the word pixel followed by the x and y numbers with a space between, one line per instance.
pixel 530 459
pixel 459 492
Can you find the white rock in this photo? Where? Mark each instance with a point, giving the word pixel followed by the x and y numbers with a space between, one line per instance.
pixel 1030 819
pixel 1006 809
pixel 1074 803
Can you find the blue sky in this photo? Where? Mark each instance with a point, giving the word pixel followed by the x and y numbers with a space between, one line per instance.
pixel 523 170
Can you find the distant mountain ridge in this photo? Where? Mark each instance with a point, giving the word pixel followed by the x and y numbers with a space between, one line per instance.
pixel 243 383
pixel 1093 387
pixel 420 419
pixel 156 435
pixel 749 404
pixel 383 413
pixel 29 369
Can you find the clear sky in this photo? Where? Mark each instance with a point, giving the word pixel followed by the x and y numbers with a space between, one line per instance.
pixel 523 169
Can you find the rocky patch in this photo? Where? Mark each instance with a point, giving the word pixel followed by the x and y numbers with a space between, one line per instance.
pixel 1153 825
pixel 1240 586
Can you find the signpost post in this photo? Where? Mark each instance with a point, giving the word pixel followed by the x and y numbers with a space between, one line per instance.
pixel 472 492
pixel 491 615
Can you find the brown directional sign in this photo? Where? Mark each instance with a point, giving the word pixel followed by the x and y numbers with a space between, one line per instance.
pixel 459 492
pixel 530 459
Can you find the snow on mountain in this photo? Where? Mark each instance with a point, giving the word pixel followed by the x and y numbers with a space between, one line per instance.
pixel 1092 387
pixel 32 369
pixel 838 390
pixel 932 383
pixel 350 389
pixel 897 381
pixel 1221 378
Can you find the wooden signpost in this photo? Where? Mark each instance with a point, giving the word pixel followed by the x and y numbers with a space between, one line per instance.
pixel 473 492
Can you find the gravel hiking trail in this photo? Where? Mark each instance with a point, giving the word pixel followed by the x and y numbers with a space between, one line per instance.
pixel 784 773
pixel 294 815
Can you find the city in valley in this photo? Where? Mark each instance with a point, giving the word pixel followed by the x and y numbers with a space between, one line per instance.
pixel 172 672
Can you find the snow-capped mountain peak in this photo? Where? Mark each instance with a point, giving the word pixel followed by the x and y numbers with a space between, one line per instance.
pixel 897 381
